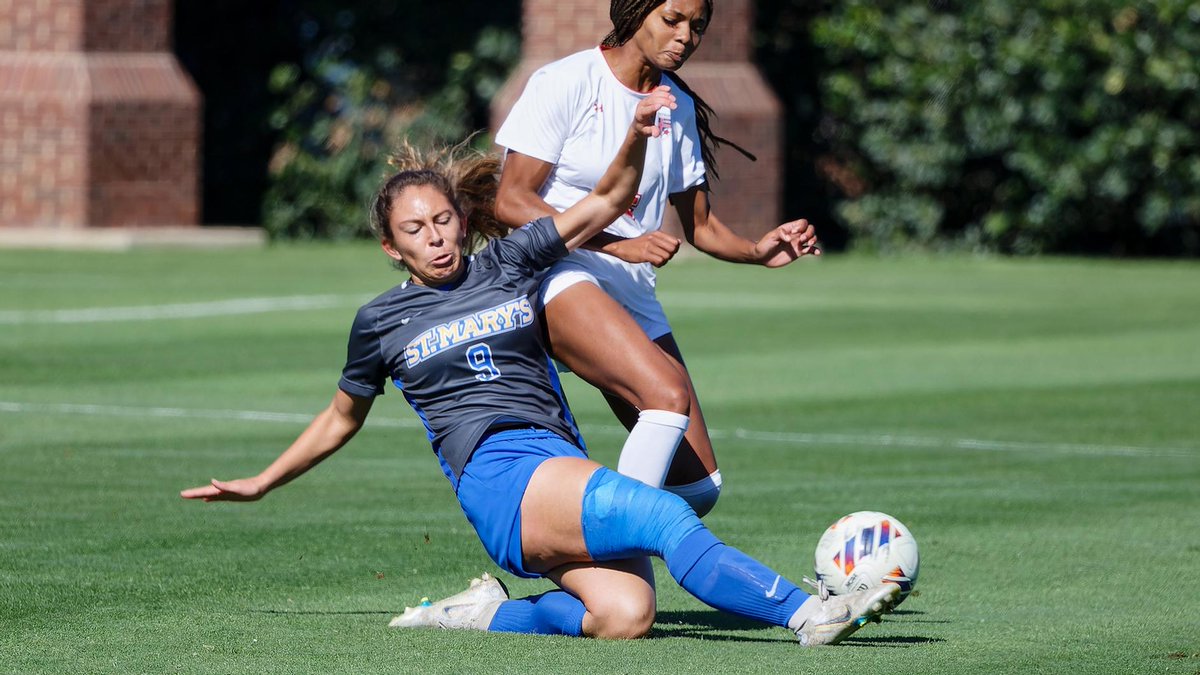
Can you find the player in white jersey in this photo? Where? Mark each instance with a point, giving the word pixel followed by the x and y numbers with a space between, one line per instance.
pixel 559 136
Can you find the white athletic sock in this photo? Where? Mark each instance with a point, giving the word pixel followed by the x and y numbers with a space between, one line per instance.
pixel 701 495
pixel 651 445
pixel 805 612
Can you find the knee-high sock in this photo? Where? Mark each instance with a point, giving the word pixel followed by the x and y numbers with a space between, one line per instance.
pixel 647 453
pixel 551 613
pixel 623 519
pixel 701 495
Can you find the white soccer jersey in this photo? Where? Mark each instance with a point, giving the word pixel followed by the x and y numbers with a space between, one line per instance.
pixel 574 114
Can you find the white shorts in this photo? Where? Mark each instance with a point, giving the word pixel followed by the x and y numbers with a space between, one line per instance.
pixel 632 286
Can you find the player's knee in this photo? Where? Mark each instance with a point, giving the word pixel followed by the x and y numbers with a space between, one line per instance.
pixel 670 394
pixel 621 617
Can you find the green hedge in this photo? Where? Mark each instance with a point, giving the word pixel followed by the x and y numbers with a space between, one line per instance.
pixel 1022 127
pixel 342 112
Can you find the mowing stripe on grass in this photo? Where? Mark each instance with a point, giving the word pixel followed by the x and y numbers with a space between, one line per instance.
pixel 876 440
pixel 189 310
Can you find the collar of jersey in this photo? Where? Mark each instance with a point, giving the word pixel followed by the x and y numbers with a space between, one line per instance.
pixel 599 52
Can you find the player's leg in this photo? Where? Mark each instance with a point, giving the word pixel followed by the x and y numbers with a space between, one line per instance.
pixel 601 342
pixel 618 596
pixel 574 511
pixel 612 599
pixel 693 474
pixel 598 340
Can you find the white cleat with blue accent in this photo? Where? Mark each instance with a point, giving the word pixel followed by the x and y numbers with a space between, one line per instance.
pixel 471 609
pixel 838 616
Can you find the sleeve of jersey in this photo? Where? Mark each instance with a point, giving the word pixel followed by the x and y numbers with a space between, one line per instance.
pixel 687 169
pixel 364 372
pixel 540 122
pixel 531 248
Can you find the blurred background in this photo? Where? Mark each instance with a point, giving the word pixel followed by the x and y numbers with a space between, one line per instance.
pixel 1036 126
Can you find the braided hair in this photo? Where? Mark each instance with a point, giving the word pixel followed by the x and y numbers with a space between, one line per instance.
pixel 468 179
pixel 627 17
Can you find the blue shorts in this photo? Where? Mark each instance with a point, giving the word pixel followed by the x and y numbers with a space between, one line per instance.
pixel 493 483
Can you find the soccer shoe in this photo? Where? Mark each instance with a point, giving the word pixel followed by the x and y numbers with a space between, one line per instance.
pixel 470 609
pixel 840 615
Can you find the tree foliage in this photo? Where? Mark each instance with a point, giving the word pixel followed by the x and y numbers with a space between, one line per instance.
pixel 1058 125
pixel 359 90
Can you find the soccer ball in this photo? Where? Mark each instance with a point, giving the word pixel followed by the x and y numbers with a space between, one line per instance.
pixel 865 548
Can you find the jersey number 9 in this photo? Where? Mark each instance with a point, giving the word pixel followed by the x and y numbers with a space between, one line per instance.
pixel 479 357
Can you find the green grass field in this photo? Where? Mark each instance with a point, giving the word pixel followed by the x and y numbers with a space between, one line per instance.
pixel 1036 423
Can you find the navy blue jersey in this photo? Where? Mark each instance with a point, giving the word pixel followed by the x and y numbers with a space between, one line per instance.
pixel 468 356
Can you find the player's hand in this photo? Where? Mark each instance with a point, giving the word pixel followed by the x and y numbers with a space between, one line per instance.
pixel 655 248
pixel 786 243
pixel 645 120
pixel 240 490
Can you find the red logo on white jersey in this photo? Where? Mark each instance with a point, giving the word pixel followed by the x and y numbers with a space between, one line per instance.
pixel 664 125
pixel 598 107
pixel 637 199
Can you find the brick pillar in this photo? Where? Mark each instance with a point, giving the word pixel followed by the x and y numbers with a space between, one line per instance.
pixel 99 126
pixel 748 195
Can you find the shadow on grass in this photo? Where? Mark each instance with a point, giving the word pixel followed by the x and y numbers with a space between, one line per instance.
pixel 702 625
pixel 904 616
pixel 893 641
pixel 712 620
pixel 326 612
pixel 705 626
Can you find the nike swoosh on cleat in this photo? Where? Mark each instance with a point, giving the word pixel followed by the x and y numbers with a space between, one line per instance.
pixel 841 619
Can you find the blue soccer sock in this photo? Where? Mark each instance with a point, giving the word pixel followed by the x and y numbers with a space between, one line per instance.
pixel 551 613
pixel 732 581
pixel 623 518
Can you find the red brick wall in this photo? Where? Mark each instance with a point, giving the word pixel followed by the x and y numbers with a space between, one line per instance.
pixel 98 124
pixel 127 25
pixel 43 147
pixel 44 25
pixel 748 195
pixel 553 28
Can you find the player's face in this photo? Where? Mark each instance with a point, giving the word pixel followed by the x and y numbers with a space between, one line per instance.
pixel 427 235
pixel 671 32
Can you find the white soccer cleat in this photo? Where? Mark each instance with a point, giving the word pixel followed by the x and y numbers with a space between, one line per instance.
pixel 838 616
pixel 471 609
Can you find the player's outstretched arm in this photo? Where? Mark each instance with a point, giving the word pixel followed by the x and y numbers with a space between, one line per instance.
pixel 330 430
pixel 615 190
pixel 706 232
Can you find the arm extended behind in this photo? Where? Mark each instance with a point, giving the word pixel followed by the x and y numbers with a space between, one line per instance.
pixel 330 430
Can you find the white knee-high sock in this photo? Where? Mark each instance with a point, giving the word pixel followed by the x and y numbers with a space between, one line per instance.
pixel 701 495
pixel 651 445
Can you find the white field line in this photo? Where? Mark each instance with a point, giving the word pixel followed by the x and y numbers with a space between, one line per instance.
pixel 188 413
pixel 189 310
pixel 787 438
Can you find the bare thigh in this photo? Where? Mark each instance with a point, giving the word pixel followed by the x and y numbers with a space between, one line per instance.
pixel 695 457
pixel 597 339
pixel 552 514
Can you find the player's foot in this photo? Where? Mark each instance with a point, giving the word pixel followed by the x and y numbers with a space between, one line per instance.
pixel 470 609
pixel 837 616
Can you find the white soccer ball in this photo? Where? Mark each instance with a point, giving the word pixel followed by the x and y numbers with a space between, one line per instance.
pixel 865 548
